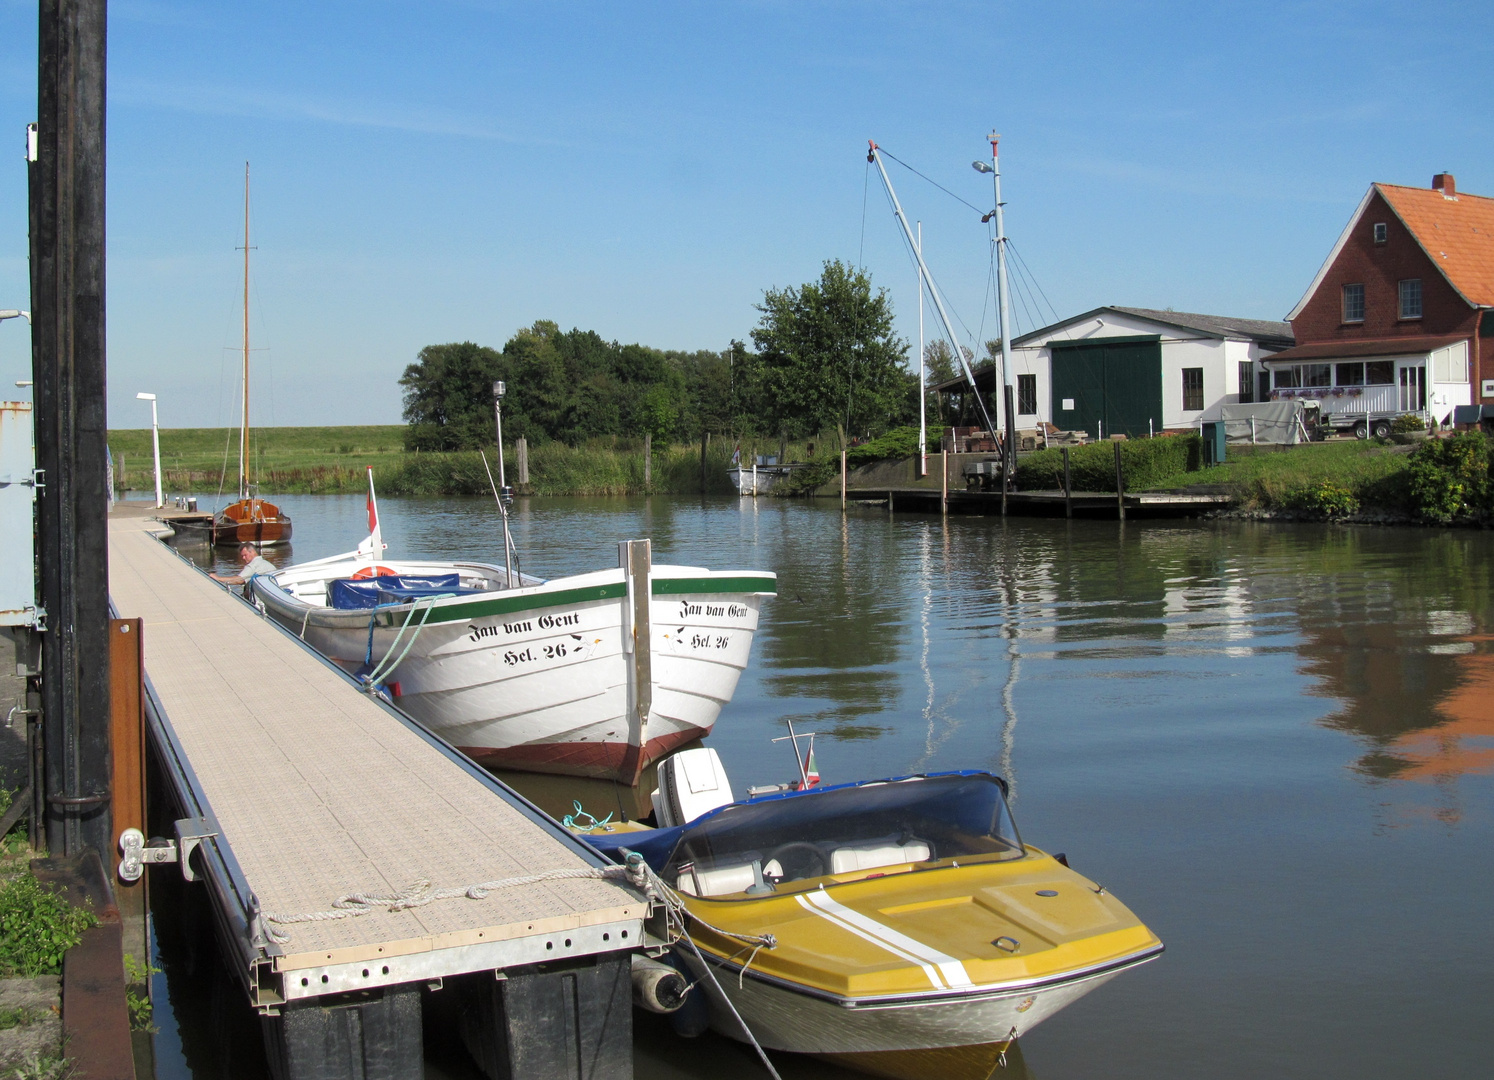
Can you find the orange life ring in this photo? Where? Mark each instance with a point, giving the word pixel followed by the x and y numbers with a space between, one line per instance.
pixel 375 571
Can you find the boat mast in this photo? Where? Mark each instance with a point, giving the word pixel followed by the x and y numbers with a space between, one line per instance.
pixel 928 280
pixel 923 429
pixel 1008 404
pixel 244 427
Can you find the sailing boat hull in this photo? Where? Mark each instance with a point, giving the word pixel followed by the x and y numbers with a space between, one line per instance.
pixel 250 521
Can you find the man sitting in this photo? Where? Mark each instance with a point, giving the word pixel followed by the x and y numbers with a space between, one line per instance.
pixel 253 563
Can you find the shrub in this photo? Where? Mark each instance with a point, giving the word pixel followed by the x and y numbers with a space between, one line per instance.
pixel 1325 498
pixel 36 928
pixel 1144 462
pixel 1408 422
pixel 1449 478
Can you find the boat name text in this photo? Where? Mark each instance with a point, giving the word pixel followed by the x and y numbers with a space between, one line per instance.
pixel 523 626
pixel 730 611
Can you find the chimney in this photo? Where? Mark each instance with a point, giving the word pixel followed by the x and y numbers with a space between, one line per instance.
pixel 1444 183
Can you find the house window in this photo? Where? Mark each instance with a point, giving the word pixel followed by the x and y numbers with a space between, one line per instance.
pixel 1382 232
pixel 1193 389
pixel 1354 303
pixel 1247 381
pixel 1026 395
pixel 1410 296
pixel 1288 378
pixel 1317 374
pixel 1348 374
pixel 1379 373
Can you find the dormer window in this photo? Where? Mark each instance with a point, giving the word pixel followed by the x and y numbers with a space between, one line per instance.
pixel 1354 303
pixel 1382 232
pixel 1409 292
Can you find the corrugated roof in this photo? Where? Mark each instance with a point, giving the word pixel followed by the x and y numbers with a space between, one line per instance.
pixel 1457 233
pixel 1224 326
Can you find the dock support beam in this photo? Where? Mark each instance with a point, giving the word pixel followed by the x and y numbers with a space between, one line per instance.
pixel 66 182
pixel 378 1039
pixel 555 1024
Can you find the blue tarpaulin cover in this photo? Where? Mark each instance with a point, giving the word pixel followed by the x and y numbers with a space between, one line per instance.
pixel 349 594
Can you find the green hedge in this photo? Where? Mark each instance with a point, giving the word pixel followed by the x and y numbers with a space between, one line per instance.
pixel 1144 462
pixel 1449 479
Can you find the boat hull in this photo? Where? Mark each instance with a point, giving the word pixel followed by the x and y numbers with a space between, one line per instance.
pixel 250 521
pixel 954 1037
pixel 548 686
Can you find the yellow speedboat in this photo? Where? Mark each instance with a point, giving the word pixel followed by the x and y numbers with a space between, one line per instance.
pixel 898 926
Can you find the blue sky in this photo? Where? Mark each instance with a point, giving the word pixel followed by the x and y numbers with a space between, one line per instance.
pixel 449 171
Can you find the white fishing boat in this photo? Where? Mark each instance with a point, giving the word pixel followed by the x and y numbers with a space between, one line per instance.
pixel 596 674
pixel 759 477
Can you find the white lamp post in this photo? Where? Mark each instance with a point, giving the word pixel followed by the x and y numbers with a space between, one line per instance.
pixel 155 438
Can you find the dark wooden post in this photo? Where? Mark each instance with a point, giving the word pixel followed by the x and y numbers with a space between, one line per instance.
pixel 704 438
pixel 648 461
pixel 66 184
pixel 1120 485
pixel 1068 488
pixel 944 482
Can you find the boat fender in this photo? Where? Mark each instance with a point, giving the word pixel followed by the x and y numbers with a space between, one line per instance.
pixel 693 1017
pixel 657 987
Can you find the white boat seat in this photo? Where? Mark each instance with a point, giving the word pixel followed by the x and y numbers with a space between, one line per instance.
pixel 848 859
pixel 721 881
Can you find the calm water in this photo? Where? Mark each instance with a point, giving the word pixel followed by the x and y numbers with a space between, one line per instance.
pixel 1272 742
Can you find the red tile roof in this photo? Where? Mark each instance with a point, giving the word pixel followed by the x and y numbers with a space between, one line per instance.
pixel 1457 233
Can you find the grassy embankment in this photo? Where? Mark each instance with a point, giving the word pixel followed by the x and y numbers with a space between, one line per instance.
pixel 331 460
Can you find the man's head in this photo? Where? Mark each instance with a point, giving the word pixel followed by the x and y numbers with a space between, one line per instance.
pixel 247 554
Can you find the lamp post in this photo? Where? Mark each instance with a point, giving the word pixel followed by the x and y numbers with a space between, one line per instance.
pixel 12 313
pixel 1008 457
pixel 155 438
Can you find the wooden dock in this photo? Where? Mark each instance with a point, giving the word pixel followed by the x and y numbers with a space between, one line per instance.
pixel 306 790
pixel 1046 503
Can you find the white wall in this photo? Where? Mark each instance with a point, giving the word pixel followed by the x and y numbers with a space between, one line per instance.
pixel 1219 360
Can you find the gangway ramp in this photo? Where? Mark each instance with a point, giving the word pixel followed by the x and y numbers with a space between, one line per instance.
pixel 309 790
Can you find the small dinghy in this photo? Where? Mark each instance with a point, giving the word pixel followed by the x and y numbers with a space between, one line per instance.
pixel 899 927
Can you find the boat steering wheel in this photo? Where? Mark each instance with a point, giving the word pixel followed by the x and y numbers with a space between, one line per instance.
pixel 799 859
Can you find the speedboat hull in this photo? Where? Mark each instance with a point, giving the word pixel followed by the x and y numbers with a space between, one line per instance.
pixel 543 677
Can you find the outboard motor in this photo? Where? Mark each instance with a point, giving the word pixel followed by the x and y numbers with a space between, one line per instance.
pixel 691 783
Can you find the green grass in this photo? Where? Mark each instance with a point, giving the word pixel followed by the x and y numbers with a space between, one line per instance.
pixel 330 460
pixel 1276 478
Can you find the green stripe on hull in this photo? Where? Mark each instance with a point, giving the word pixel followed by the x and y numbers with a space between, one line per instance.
pixel 507 605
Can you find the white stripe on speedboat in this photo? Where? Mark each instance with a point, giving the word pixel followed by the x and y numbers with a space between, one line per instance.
pixel 941 968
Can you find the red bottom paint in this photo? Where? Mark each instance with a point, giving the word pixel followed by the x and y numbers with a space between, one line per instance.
pixel 608 761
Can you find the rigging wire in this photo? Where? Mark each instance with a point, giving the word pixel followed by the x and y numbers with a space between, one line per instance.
pixel 861 252
pixel 1018 255
pixel 936 183
pixel 932 283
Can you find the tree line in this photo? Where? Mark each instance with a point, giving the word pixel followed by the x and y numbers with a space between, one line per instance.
pixel 824 358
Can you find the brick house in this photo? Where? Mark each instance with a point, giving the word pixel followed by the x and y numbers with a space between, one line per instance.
pixel 1395 319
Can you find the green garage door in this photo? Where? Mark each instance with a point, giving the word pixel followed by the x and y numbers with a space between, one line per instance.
pixel 1116 382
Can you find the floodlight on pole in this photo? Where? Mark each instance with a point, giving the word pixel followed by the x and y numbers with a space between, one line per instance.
pixel 155 438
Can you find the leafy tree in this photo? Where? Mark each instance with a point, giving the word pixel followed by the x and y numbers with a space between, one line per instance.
pixel 448 396
pixel 829 356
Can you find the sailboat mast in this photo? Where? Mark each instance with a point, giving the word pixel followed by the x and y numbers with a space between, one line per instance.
pixel 1008 406
pixel 244 427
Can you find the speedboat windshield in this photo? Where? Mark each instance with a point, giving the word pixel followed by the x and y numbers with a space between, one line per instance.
pixel 844 833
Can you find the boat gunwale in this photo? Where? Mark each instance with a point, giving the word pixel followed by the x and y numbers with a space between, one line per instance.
pixel 912 998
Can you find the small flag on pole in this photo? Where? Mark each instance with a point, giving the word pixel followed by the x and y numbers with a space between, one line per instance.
pixel 811 767
pixel 736 454
pixel 374 546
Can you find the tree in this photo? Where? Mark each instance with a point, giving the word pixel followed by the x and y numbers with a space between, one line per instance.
pixel 829 356
pixel 448 396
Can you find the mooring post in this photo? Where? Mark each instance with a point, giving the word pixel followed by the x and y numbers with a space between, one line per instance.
pixel 1120 485
pixel 521 455
pixel 648 461
pixel 944 481
pixel 704 440
pixel 1068 488
pixel 636 559
pixel 66 182
pixel 842 479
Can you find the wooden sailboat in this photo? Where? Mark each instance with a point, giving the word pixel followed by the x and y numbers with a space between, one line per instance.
pixel 249 519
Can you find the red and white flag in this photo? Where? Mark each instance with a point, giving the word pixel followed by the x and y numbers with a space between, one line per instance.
pixel 374 546
pixel 811 767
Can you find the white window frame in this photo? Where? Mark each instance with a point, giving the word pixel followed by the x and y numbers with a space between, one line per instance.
pixel 1348 317
pixel 1408 298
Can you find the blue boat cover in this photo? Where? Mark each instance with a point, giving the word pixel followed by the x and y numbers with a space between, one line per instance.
pixel 348 594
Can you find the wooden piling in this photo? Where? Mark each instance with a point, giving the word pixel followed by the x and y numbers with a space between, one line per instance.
pixel 1120 485
pixel 842 479
pixel 1068 487
pixel 648 461
pixel 705 437
pixel 944 481
pixel 521 459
